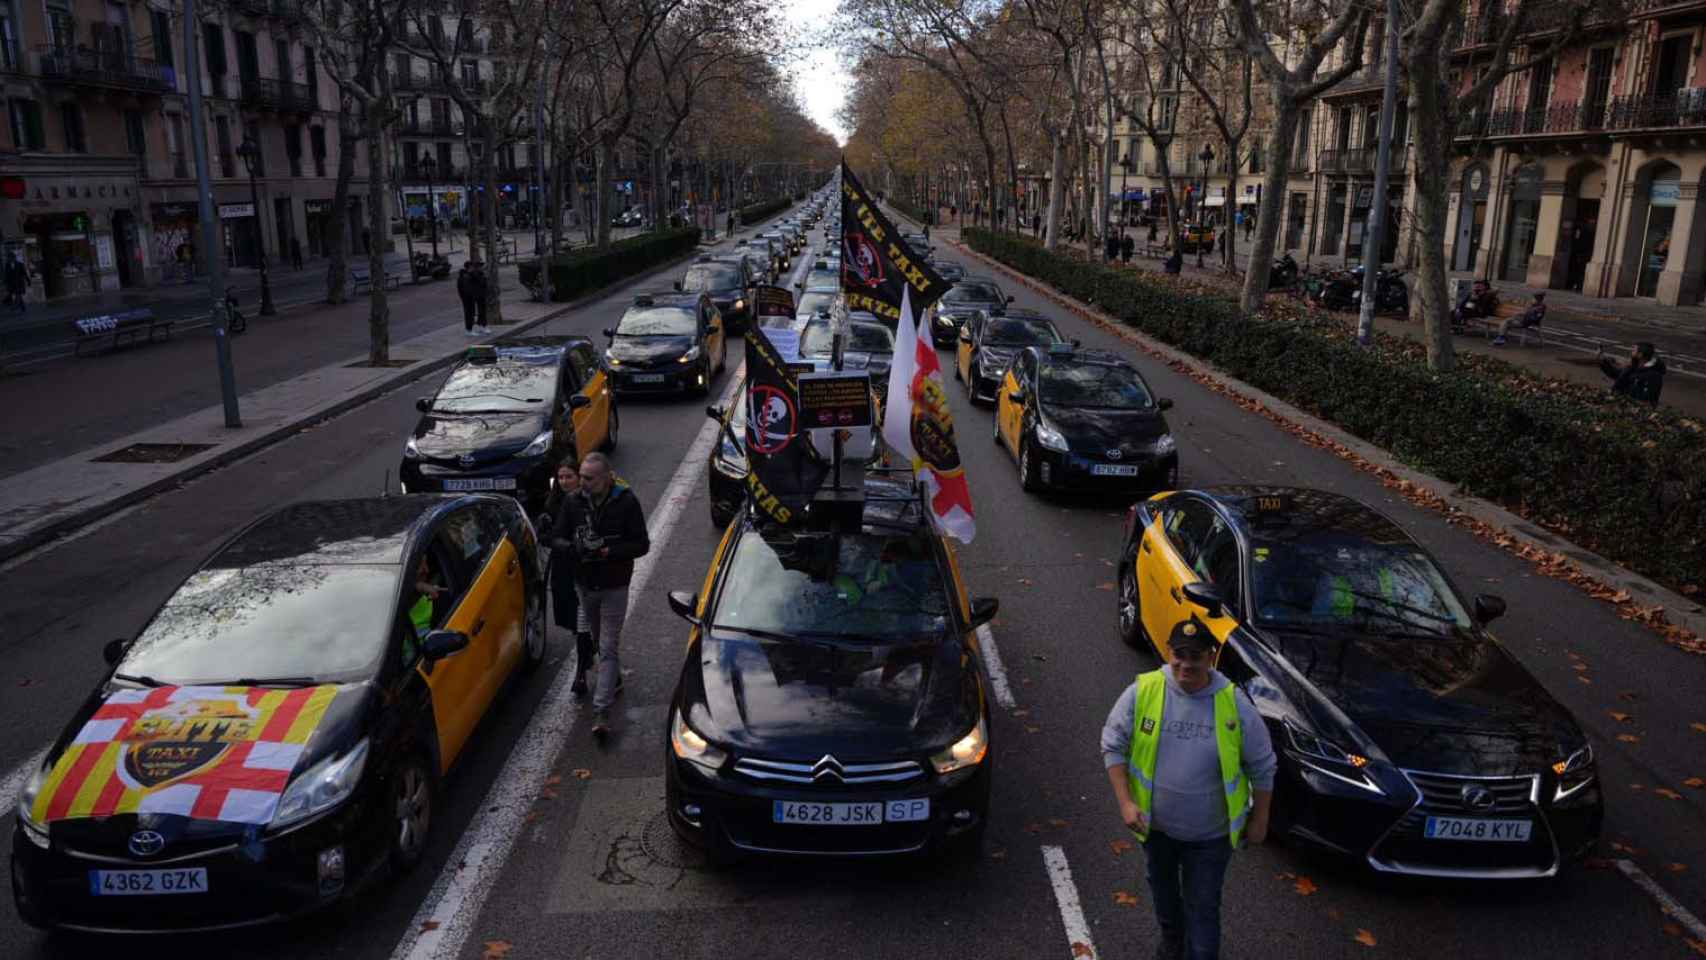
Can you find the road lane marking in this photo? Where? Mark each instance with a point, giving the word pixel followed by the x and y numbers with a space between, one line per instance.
pixel 14 782
pixel 446 918
pixel 1066 897
pixel 997 673
pixel 1666 902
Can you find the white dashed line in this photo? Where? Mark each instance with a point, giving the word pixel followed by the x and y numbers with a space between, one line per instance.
pixel 1667 903
pixel 997 673
pixel 1066 897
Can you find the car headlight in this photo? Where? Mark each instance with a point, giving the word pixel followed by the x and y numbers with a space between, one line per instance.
pixel 324 786
pixel 691 355
pixel 1574 772
pixel 1050 438
pixel 34 829
pixel 967 751
pixel 410 451
pixel 690 746
pixel 610 359
pixel 740 304
pixel 1165 444
pixel 538 445
pixel 1328 758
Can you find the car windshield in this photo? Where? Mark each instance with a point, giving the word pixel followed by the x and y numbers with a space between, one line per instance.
pixel 811 303
pixel 703 277
pixel 271 620
pixel 973 292
pixel 1334 579
pixel 506 386
pixel 658 322
pixel 1008 332
pixel 818 336
pixel 1094 385
pixel 865 586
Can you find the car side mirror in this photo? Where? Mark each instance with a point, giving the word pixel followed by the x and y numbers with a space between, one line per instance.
pixel 113 652
pixel 983 610
pixel 715 413
pixel 1163 404
pixel 1009 298
pixel 439 644
pixel 677 285
pixel 1017 396
pixel 965 335
pixel 1488 608
pixel 423 404
pixel 1205 595
pixel 685 605
pixel 610 333
pixel 579 400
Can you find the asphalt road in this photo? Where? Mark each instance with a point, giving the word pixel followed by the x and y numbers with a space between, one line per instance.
pixel 593 872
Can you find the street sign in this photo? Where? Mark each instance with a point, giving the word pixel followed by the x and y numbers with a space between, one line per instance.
pixel 835 399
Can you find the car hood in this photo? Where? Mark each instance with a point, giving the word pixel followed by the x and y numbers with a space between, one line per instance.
pixel 484 436
pixel 649 349
pixel 966 306
pixel 1090 430
pixel 798 699
pixel 220 730
pixel 1455 706
pixel 727 296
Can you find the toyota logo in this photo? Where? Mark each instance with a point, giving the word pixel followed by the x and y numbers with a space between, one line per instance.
pixel 146 843
pixel 467 460
pixel 1115 454
pixel 1477 797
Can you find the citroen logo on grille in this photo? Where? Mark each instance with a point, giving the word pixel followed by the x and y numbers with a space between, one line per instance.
pixel 826 768
pixel 1477 797
pixel 146 843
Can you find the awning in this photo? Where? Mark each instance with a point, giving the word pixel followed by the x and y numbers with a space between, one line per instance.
pixel 1214 201
pixel 1134 194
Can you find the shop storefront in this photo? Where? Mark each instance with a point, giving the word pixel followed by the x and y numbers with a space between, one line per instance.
pixel 242 234
pixel 63 253
pixel 61 214
pixel 1523 225
pixel 176 232
pixel 1662 196
pixel 318 217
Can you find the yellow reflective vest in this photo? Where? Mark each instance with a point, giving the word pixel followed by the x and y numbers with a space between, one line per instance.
pixel 1146 743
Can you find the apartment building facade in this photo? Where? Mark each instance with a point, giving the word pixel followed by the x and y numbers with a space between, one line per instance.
pixel 97 172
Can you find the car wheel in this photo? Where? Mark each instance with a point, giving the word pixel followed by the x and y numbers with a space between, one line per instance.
pixel 612 423
pixel 411 812
pixel 1028 477
pixel 535 638
pixel 1131 606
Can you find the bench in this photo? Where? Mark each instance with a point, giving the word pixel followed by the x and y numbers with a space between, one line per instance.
pixel 362 277
pixel 128 325
pixel 506 251
pixel 1156 251
pixel 1488 327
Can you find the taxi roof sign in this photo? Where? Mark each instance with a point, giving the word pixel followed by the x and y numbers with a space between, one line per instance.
pixel 1062 349
pixel 483 353
pixel 1271 505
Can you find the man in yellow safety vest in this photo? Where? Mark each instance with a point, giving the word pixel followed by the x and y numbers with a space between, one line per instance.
pixel 1193 768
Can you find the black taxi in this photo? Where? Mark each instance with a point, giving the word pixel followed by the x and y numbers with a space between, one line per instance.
pixel 832 700
pixel 988 344
pixel 667 343
pixel 276 733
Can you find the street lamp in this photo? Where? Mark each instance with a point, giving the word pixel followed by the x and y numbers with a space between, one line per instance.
pixel 428 166
pixel 1207 157
pixel 251 155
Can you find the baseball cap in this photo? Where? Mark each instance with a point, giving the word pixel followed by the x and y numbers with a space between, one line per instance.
pixel 1191 636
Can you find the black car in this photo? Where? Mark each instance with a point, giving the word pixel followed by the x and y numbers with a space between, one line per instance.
pixel 1084 420
pixel 832 699
pixel 1410 740
pixel 758 257
pixel 948 270
pixel 968 295
pixel 507 415
pixel 989 345
pixel 782 245
pixel 275 735
pixel 728 280
pixel 667 343
pixel 869 347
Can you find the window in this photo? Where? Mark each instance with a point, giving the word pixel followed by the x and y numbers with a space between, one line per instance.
pixel 1188 523
pixel 213 43
pixel 252 134
pixel 9 61
pixel 317 146
pixel 1218 563
pixel 163 38
pixel 135 135
pixel 1258 158
pixel 1300 147
pixel 293 148
pixel 175 144
pixel 311 75
pixel 470 74
pixel 71 120
pixel 61 27
pixel 248 55
pixel 281 52
pixel 585 364
pixel 222 136
pixel 26 124
pixel 411 159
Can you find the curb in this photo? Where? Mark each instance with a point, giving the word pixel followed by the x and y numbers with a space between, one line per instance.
pixel 1638 594
pixel 95 511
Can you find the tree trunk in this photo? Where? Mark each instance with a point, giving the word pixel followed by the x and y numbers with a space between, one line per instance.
pixel 1056 190
pixel 489 212
pixel 1286 110
pixel 337 244
pixel 379 307
pixel 1429 121
pixel 1230 217
pixel 601 211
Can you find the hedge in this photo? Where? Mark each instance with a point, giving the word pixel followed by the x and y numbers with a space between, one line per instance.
pixel 763 211
pixel 1622 479
pixel 911 212
pixel 589 268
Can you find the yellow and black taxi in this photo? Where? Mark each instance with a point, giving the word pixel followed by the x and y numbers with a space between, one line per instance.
pixel 276 734
pixel 728 280
pixel 969 295
pixel 506 415
pixel 667 343
pixel 1410 739
pixel 832 700
pixel 1196 237
pixel 988 345
pixel 1084 420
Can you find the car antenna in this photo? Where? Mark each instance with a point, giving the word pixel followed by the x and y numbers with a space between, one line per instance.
pixel 385 488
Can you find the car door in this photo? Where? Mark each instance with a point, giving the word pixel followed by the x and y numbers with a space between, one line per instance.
pixel 714 337
pixel 1164 563
pixel 459 554
pixel 968 336
pixel 1220 563
pixel 507 607
pixel 591 421
pixel 1010 413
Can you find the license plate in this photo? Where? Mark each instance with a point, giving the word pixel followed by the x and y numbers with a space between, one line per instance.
pixel 1112 470
pixel 1461 828
pixel 480 483
pixel 145 883
pixel 850 814
pixel 648 378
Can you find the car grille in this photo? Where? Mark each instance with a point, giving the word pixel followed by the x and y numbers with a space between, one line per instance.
pixel 829 772
pixel 1443 794
pixel 1404 848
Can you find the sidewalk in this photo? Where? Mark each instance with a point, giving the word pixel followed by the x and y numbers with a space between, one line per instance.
pixel 58 495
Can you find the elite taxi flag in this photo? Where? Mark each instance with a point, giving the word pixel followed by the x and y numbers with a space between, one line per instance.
pixel 785 470
pixel 877 266
pixel 919 426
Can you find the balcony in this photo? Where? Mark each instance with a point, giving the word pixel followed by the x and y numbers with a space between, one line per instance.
pixel 1656 9
pixel 268 94
pixel 1370 79
pixel 433 83
pixel 432 127
pixel 1684 108
pixel 105 68
pixel 287 10
pixel 1347 160
pixel 412 174
pixel 1484 27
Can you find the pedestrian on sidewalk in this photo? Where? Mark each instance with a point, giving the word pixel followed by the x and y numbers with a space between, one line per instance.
pixel 465 290
pixel 1223 236
pixel 1110 248
pixel 1036 225
pixel 1152 234
pixel 1165 746
pixel 17 281
pixel 1641 379
pixel 608 528
pixel 1127 245
pixel 1532 317
pixel 295 252
pixel 565 596
pixel 1249 226
pixel 731 223
pixel 1174 264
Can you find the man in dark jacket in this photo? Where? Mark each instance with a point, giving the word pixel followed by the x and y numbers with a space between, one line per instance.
pixel 1642 379
pixel 1127 245
pixel 465 291
pixel 1110 247
pixel 607 528
pixel 1480 302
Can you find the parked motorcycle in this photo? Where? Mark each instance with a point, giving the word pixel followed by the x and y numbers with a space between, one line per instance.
pixel 427 265
pixel 1391 293
pixel 1337 290
pixel 1283 274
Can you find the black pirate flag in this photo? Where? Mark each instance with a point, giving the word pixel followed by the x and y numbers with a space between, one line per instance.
pixel 876 264
pixel 784 469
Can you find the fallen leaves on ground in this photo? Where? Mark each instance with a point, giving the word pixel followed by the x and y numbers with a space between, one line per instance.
pixel 1676 867
pixel 428 926
pixel 497 950
pixel 1622 847
pixel 1365 938
pixel 582 773
pixel 1305 887
pixel 1627 696
pixel 1694 782
pixel 1057 823
pixel 1081 949
pixel 1125 898
pixel 1620 717
pixel 1628 738
pixel 1119 847
pixel 553 779
pixel 1667 793
pixel 1106 585
pixel 1698 946
pixel 998 855
pixel 1698 727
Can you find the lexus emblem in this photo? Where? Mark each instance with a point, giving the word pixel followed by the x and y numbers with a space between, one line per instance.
pixel 467 460
pixel 1115 454
pixel 1477 797
pixel 146 843
pixel 826 767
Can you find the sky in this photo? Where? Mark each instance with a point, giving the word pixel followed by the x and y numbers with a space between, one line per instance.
pixel 822 82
